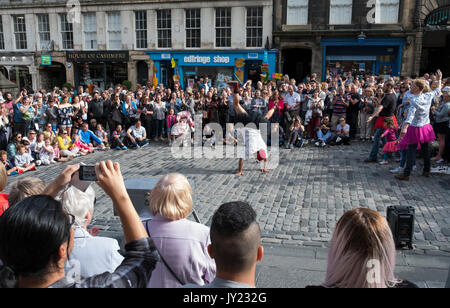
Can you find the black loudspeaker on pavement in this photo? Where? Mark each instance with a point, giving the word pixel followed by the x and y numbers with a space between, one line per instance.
pixel 401 220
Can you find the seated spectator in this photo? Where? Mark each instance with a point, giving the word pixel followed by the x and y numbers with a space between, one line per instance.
pixel 118 137
pixel 96 255
pixel 235 246
pixel 81 147
pixel 47 154
pixel 48 132
pixel 342 133
pixel 11 149
pixel 88 137
pixel 36 239
pixel 324 134
pixel 10 168
pixel 65 146
pixel 25 188
pixel 181 243
pixel 362 236
pixel 4 205
pixel 23 160
pixel 295 133
pixel 137 135
pixel 102 134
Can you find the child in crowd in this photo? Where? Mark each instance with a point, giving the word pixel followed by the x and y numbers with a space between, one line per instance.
pixel 391 140
pixel 295 132
pixel 324 134
pixel 57 153
pixel 23 159
pixel 171 121
pixel 39 144
pixel 102 135
pixel 10 168
pixel 402 151
pixel 342 133
pixel 47 153
pixel 83 149
pixel 118 136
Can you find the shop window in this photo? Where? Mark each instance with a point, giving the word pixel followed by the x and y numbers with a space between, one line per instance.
pixel 164 27
pixel 20 31
pixel 297 12
pixel 341 12
pixel 223 27
pixel 141 29
pixel 387 11
pixel 254 27
pixel 44 32
pixel 193 28
pixel 2 39
pixel 90 31
pixel 66 32
pixel 114 31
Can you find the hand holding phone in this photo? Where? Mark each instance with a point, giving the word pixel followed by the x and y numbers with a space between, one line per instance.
pixel 87 173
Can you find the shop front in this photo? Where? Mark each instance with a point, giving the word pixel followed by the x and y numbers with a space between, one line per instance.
pixel 18 69
pixel 102 68
pixel 189 67
pixel 382 56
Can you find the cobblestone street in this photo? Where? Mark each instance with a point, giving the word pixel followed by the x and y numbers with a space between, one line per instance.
pixel 299 203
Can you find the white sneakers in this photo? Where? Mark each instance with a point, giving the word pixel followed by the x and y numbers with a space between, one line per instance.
pixel 384 162
pixel 396 170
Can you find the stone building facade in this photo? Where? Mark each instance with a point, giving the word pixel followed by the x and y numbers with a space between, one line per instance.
pixel 118 29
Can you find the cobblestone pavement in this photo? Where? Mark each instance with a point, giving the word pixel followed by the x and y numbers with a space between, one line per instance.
pixel 299 203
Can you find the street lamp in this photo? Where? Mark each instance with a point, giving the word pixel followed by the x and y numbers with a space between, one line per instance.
pixel 361 38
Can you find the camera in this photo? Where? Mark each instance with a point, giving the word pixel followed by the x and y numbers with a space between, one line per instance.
pixel 87 173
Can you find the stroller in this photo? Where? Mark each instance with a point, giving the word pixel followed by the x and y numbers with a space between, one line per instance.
pixel 184 126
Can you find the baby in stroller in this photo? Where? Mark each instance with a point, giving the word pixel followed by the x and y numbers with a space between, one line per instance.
pixel 184 126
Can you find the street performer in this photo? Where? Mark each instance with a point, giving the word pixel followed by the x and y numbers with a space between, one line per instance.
pixel 250 143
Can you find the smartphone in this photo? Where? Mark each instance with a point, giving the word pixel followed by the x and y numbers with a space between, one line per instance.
pixel 87 173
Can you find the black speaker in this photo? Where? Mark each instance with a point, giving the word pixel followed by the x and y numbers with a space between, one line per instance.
pixel 401 221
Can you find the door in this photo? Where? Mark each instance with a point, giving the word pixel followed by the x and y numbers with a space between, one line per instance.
pixel 385 68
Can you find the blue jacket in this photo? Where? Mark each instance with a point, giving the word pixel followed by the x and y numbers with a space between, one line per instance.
pixel 86 137
pixel 124 110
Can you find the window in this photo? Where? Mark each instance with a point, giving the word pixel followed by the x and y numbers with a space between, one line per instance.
pixel 193 34
pixel 387 11
pixel 223 27
pixel 297 12
pixel 114 31
pixel 90 31
pixel 141 29
pixel 254 26
pixel 2 39
pixel 164 27
pixel 20 31
pixel 44 32
pixel 341 12
pixel 66 32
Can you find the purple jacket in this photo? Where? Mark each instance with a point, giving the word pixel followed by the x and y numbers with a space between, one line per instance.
pixel 183 245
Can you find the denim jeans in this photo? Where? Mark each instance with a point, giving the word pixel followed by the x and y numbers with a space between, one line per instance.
pixel 376 144
pixel 325 138
pixel 140 143
pixel 411 158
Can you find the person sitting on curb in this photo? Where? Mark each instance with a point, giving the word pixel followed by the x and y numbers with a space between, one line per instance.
pixel 88 137
pixel 137 135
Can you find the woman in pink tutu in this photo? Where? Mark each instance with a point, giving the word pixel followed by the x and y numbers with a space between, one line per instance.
pixel 391 140
pixel 417 132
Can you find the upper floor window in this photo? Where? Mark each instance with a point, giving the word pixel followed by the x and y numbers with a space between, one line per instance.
pixel 223 27
pixel 297 12
pixel 164 27
pixel 341 12
pixel 2 39
pixel 193 28
pixel 141 29
pixel 66 32
pixel 254 27
pixel 114 31
pixel 387 11
pixel 44 31
pixel 90 31
pixel 20 31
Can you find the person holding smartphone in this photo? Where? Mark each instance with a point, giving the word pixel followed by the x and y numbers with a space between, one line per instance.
pixel 34 254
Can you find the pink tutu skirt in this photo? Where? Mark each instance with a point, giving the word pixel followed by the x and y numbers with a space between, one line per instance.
pixel 417 135
pixel 390 147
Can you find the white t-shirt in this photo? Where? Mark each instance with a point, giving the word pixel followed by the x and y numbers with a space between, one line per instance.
pixel 292 100
pixel 346 128
pixel 138 132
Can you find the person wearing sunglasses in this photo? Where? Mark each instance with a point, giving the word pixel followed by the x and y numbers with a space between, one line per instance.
pixel 37 237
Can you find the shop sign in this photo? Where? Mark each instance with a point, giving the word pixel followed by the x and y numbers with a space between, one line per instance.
pixel 207 59
pixel 277 76
pixel 166 56
pixel 46 60
pixel 97 56
pixel 239 63
pixel 253 56
pixel 265 68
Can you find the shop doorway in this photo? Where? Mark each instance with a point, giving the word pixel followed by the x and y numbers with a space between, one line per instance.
pixel 297 63
pixel 167 74
pixel 435 52
pixel 142 73
pixel 52 75
pixel 253 71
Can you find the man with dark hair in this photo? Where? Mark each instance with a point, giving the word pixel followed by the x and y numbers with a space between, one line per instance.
pixel 235 246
